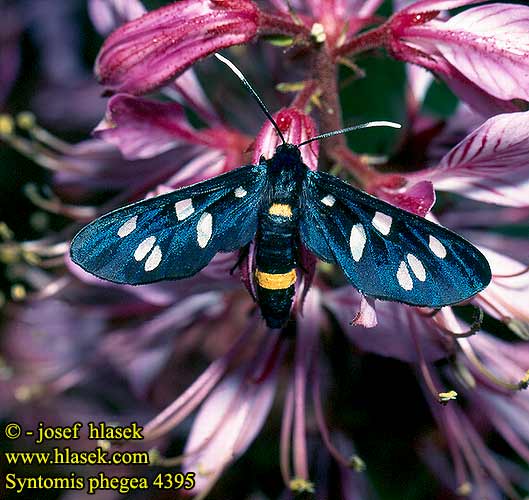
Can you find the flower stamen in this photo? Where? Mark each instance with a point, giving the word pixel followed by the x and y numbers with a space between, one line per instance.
pixel 518 327
pixel 300 485
pixel 469 352
pixel 7 125
pixel 445 397
pixel 197 392
pixel 53 205
pixel 285 441
pixel 513 275
pixel 474 328
pixel 324 431
pixel 423 365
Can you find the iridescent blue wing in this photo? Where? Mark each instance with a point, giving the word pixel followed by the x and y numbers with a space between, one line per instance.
pixel 174 235
pixel 386 252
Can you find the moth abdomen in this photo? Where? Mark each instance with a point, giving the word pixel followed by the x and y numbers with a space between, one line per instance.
pixel 276 261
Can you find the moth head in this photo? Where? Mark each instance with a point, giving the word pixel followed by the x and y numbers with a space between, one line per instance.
pixel 288 151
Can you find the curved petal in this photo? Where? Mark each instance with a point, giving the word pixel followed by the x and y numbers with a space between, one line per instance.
pixel 227 423
pixel 489 45
pixel 491 164
pixel 418 198
pixel 367 315
pixel 430 5
pixel 297 127
pixel 470 92
pixel 150 51
pixel 391 336
pixel 107 15
pixel 143 128
pixel 506 297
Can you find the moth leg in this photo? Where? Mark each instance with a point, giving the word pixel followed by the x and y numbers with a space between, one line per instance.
pixel 243 253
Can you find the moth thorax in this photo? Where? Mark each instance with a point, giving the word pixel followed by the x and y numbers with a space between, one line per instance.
pixel 286 156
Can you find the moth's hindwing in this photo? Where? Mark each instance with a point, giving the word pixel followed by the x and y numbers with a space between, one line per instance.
pixel 386 252
pixel 174 235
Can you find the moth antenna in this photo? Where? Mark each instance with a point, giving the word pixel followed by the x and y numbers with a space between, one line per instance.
pixel 350 129
pixel 246 83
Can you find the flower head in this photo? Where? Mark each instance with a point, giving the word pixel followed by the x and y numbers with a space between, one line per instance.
pixel 152 50
pixel 192 359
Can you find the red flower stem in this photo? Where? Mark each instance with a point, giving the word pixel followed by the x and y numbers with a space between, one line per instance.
pixel 271 24
pixel 369 40
pixel 352 162
pixel 302 99
pixel 325 72
pixel 286 433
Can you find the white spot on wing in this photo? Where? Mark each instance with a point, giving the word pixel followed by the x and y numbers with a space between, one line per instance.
pixel 382 222
pixel 329 200
pixel 128 227
pixel 153 261
pixel 437 247
pixel 184 208
pixel 416 267
pixel 357 241
pixel 144 248
pixel 403 277
pixel 204 229
pixel 240 192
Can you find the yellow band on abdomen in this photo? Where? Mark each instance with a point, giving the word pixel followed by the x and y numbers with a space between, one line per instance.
pixel 275 281
pixel 281 209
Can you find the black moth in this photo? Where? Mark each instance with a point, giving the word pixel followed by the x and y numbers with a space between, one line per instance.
pixel 383 251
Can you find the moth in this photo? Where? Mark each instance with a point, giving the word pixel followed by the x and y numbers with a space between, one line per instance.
pixel 384 252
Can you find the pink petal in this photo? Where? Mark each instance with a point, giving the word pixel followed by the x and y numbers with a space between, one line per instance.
pixel 511 246
pixel 423 53
pixel 139 352
pixel 367 315
pixel 308 262
pixel 296 127
pixel 107 15
pixel 391 337
pixel 247 270
pixel 206 163
pixel 160 294
pixel 419 81
pixel 514 414
pixel 226 425
pixel 505 297
pixel 191 92
pixel 491 164
pixel 431 5
pixel 150 51
pixel 488 44
pixel 143 128
pixel 418 198
pixel 463 121
pixel 368 8
pixel 478 99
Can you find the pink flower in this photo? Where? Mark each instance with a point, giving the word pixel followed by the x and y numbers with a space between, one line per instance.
pixel 491 69
pixel 144 128
pixel 296 127
pixel 152 50
pixel 490 164
pixel 488 74
pixel 107 15
pixel 198 347
pixel 231 417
